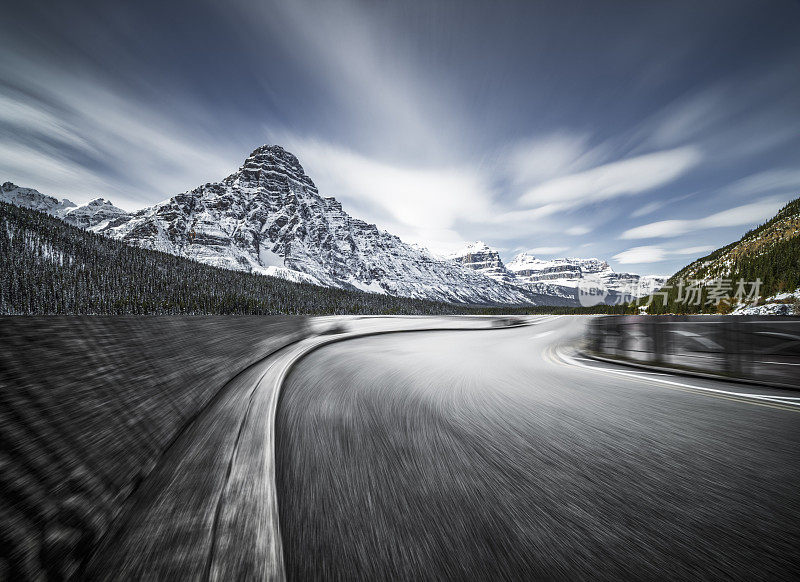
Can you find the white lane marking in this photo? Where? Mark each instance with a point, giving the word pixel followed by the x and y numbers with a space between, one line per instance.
pixel 780 363
pixel 544 333
pixel 598 365
pixel 777 399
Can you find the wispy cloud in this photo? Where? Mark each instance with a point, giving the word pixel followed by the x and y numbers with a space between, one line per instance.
pixel 640 255
pixel 82 140
pixel 578 230
pixel 728 116
pixel 621 178
pixel 655 254
pixel 547 250
pixel 541 158
pixel 741 215
pixel 778 180
pixel 693 250
pixel 421 204
pixel 648 208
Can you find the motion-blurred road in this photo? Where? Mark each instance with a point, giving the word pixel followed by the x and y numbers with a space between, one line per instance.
pixel 498 454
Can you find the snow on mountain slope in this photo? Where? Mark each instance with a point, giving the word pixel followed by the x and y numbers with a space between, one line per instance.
pixel 564 275
pixel 33 199
pixel 268 217
pixel 556 278
pixel 529 269
pixel 93 216
pixel 480 257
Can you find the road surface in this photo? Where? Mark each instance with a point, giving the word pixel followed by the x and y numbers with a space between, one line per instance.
pixel 207 511
pixel 500 454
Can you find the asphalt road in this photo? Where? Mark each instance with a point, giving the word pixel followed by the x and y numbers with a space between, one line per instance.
pixel 487 455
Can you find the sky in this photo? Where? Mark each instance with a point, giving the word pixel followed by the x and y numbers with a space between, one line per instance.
pixel 644 133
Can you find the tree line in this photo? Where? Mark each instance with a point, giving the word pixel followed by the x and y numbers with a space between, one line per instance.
pixel 50 267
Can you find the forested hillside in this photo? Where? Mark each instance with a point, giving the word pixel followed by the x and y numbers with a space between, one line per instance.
pixel 49 267
pixel 770 253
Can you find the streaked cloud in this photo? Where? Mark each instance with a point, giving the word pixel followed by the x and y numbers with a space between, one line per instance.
pixel 648 208
pixel 656 254
pixel 741 215
pixel 578 230
pixel 547 250
pixel 778 180
pixel 626 177
pixel 701 250
pixel 501 125
pixel 424 204
pixel 542 157
pixel 640 255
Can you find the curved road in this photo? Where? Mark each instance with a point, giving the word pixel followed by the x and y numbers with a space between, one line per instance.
pixel 490 455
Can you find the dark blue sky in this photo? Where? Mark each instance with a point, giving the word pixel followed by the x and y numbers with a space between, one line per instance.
pixel 568 128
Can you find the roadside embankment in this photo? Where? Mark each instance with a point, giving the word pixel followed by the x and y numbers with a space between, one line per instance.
pixel 87 407
pixel 758 349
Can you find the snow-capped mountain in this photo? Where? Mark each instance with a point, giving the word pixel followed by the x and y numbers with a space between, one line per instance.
pixel 560 278
pixel 93 216
pixel 571 273
pixel 480 257
pixel 268 217
pixel 33 199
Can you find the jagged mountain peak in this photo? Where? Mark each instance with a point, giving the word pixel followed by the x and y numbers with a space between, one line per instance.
pixel 33 199
pixel 480 257
pixel 268 217
pixel 99 202
pixel 474 247
pixel 525 260
pixel 522 258
pixel 94 215
pixel 266 164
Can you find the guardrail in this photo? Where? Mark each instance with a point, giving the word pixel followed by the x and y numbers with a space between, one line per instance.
pixel 753 348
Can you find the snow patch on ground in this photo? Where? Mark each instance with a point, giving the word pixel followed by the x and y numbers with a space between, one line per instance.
pixel 269 259
pixel 766 309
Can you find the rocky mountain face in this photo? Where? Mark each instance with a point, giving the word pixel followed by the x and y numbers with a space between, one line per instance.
pixel 480 257
pixel 95 215
pixel 269 218
pixel 92 216
pixel 566 276
pixel 560 278
pixel 33 199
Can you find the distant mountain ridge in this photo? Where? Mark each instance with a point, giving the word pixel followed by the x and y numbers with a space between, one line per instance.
pixel 269 218
pixel 92 216
pixel 50 267
pixel 561 277
pixel 480 257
